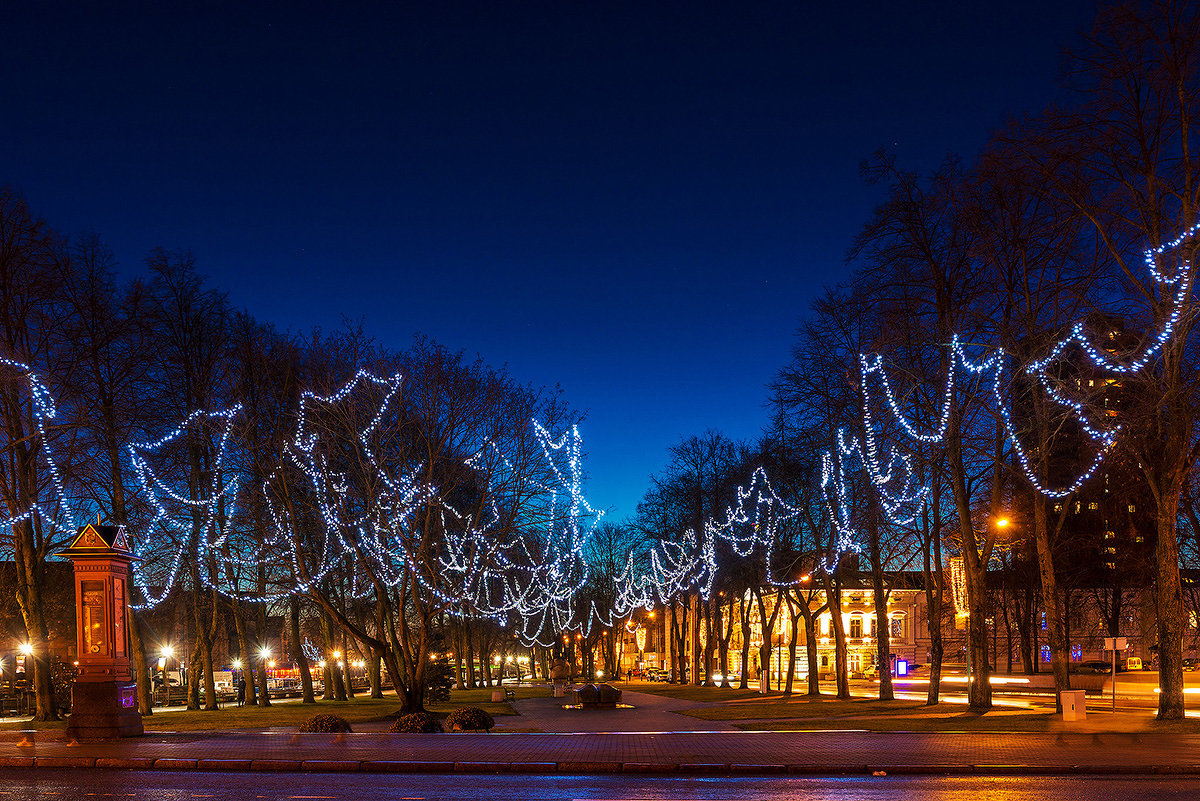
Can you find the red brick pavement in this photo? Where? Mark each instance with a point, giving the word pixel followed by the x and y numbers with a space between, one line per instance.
pixel 721 752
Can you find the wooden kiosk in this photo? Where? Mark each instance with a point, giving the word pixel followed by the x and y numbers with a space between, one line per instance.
pixel 104 698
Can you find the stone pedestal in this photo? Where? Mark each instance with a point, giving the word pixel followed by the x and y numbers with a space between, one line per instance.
pixel 104 710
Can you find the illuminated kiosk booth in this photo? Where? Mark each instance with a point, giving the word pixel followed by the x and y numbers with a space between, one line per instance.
pixel 104 697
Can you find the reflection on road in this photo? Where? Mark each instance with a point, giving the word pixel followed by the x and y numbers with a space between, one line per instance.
pixel 168 786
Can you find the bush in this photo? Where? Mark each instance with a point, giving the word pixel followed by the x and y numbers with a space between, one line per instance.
pixel 329 724
pixel 416 723
pixel 469 718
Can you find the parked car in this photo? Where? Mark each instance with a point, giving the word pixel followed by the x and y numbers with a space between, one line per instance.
pixel 1094 666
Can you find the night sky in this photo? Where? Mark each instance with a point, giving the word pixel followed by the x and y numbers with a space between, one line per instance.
pixel 637 201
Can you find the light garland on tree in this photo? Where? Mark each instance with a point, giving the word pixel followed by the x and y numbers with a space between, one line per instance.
pixel 55 515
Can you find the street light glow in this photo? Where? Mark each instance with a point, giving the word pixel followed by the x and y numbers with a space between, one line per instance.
pixel 168 651
pixel 264 652
pixel 27 648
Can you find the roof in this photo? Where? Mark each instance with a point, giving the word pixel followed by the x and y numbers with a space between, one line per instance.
pixel 96 539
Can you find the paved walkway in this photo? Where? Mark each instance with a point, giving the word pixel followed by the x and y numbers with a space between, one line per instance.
pixel 697 752
pixel 650 713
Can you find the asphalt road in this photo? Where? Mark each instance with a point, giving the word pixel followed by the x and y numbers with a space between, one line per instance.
pixel 109 784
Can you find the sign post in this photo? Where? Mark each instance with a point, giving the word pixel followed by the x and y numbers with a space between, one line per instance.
pixel 1114 644
pixel 104 697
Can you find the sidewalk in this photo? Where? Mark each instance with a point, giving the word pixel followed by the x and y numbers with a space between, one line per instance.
pixel 826 752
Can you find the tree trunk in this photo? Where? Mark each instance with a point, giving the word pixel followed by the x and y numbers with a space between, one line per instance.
pixel 306 682
pixel 141 671
pixel 1169 597
pixel 244 652
pixel 1055 628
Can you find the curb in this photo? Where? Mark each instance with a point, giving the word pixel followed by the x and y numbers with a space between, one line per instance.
pixel 584 768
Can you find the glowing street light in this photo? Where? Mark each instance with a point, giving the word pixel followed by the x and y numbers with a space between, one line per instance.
pixel 26 648
pixel 167 652
pixel 264 652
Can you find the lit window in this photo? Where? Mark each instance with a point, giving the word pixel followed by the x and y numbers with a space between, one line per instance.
pixel 1093 505
pixel 897 628
pixel 856 627
pixel 1132 508
pixel 1058 507
pixel 1076 652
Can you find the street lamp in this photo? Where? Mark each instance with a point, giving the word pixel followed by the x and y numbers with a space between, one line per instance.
pixel 167 653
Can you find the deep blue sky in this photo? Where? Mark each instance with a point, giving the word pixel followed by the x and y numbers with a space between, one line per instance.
pixel 637 200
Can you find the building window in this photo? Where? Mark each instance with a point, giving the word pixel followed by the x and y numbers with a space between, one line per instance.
pixel 825 661
pixel 897 627
pixel 1076 652
pixel 855 662
pixel 1046 654
pixel 856 627
pixel 1094 505
pixel 1044 624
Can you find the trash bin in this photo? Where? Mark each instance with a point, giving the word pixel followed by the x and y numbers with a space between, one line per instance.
pixel 1073 705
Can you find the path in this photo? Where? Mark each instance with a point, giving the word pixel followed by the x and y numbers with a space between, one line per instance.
pixel 650 713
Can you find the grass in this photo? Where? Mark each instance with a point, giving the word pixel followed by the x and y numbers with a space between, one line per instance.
pixel 750 711
pixel 291 714
pixel 830 709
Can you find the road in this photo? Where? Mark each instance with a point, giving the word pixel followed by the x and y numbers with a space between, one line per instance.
pixel 108 784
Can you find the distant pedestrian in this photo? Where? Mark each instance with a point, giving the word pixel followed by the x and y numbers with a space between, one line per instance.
pixel 241 687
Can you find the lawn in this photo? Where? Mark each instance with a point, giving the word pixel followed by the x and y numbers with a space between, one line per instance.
pixel 831 709
pixel 289 714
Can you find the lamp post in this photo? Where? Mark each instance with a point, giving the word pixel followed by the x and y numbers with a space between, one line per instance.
pixel 167 653
pixel 264 661
pixel 238 689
